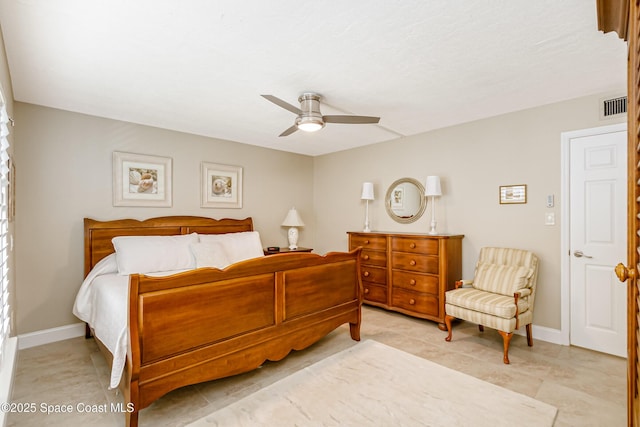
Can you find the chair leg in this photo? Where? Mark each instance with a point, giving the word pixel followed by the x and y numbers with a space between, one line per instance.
pixel 506 339
pixel 481 328
pixel 529 336
pixel 447 321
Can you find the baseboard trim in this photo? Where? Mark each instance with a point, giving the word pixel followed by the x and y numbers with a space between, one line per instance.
pixel 543 333
pixel 7 372
pixel 46 336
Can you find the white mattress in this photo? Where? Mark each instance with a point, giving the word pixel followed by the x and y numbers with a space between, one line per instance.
pixel 102 303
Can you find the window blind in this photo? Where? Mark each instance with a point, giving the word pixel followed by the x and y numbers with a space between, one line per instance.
pixel 5 309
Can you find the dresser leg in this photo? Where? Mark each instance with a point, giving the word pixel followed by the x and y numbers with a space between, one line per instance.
pixel 442 327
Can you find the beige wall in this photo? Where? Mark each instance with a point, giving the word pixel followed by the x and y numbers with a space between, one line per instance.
pixel 64 174
pixel 473 160
pixel 5 78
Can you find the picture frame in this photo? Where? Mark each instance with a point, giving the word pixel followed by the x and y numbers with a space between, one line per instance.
pixel 220 185
pixel 397 198
pixel 142 180
pixel 513 194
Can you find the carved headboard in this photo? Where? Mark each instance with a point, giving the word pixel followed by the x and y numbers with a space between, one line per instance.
pixel 98 234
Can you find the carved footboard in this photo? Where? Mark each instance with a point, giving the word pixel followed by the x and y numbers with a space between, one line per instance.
pixel 207 324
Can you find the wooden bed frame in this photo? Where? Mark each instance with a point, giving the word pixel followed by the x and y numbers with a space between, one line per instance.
pixel 207 323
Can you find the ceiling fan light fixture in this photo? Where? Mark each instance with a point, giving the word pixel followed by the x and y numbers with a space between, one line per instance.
pixel 310 119
pixel 309 124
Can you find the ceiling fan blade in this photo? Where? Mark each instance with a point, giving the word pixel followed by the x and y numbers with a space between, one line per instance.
pixel 353 120
pixel 289 131
pixel 280 103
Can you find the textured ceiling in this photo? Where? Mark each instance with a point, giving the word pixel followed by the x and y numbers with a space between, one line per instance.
pixel 200 66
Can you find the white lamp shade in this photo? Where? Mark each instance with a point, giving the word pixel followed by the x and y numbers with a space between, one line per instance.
pixel 433 186
pixel 367 191
pixel 293 219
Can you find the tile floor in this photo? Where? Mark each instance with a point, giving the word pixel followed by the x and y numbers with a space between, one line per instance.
pixel 587 387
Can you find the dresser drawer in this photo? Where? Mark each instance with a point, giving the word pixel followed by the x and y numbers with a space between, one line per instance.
pixel 374 293
pixel 401 271
pixel 414 262
pixel 373 274
pixel 368 242
pixel 413 301
pixel 414 245
pixel 416 282
pixel 373 258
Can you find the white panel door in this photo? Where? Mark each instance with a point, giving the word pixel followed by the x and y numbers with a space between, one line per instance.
pixel 598 209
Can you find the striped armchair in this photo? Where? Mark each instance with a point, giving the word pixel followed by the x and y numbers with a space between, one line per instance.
pixel 500 296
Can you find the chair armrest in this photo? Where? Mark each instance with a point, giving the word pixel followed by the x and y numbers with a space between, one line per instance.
pixel 523 292
pixel 463 283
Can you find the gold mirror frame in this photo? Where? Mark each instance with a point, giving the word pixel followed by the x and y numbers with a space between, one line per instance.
pixel 388 201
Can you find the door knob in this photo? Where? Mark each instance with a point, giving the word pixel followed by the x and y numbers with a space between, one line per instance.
pixel 624 273
pixel 579 254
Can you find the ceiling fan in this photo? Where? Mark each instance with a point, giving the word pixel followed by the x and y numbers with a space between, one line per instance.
pixel 310 119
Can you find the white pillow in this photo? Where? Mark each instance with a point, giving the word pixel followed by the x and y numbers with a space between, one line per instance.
pixel 237 246
pixel 148 254
pixel 209 255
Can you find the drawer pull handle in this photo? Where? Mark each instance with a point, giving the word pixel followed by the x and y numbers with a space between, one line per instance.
pixel 412 282
pixel 412 245
pixel 365 274
pixel 365 257
pixel 412 262
pixel 412 301
pixel 366 242
pixel 366 290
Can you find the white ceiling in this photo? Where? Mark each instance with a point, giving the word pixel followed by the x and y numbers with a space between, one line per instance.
pixel 200 66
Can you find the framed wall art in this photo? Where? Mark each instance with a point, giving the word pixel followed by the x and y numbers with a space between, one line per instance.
pixel 510 194
pixel 221 186
pixel 141 180
pixel 397 198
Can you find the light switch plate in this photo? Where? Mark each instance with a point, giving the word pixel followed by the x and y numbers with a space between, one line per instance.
pixel 549 218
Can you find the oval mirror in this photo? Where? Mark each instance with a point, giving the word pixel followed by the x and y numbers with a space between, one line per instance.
pixel 405 200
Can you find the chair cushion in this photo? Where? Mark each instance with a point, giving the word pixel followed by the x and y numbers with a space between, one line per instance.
pixel 486 302
pixel 507 256
pixel 502 279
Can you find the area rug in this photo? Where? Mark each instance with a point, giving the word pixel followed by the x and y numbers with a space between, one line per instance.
pixel 372 384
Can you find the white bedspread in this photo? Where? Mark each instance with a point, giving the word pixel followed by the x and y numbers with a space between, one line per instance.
pixel 102 303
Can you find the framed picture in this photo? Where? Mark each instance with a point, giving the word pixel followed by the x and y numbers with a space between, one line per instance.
pixel 141 180
pixel 397 198
pixel 221 186
pixel 510 194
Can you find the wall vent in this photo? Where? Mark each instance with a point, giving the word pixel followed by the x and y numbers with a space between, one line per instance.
pixel 612 107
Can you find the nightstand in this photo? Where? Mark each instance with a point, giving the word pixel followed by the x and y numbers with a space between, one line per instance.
pixel 286 250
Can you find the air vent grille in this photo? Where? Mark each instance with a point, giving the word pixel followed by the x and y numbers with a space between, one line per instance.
pixel 613 107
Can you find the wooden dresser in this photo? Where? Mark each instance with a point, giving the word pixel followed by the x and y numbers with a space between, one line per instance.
pixel 409 273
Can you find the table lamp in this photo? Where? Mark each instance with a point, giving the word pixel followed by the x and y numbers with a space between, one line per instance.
pixel 293 221
pixel 433 190
pixel 367 194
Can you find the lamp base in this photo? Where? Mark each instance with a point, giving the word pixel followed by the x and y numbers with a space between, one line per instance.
pixel 293 238
pixel 367 229
pixel 433 231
